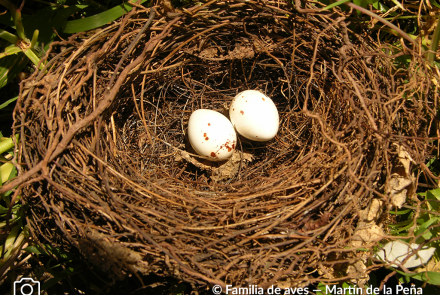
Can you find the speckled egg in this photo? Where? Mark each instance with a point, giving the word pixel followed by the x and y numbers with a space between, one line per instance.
pixel 254 115
pixel 211 134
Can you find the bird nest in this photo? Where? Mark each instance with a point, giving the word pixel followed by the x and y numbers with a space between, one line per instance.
pixel 107 167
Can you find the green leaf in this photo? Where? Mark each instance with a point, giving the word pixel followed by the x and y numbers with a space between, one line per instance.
pixel 10 50
pixel 11 221
pixel 4 210
pixel 429 276
pixel 398 230
pixel 5 172
pixel 403 59
pixel 58 276
pixel 7 144
pixel 33 57
pixel 33 249
pixel 402 223
pixel 383 8
pixel 433 2
pixel 364 3
pixel 11 38
pixel 6 103
pixel 335 4
pixel 435 42
pixel 423 218
pixel 423 228
pixel 13 173
pixel 97 20
pixel 426 276
pixel 11 66
pixel 59 253
pixel 346 286
pixel 47 20
pixel 361 3
pixel 13 234
pixel 321 287
pixel 433 195
pixel 6 195
pixel 400 212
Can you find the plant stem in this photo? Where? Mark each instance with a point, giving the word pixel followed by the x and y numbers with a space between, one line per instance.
pixel 8 36
pixel 16 15
pixel 34 38
pixel 434 43
pixel 33 57
pixel 384 21
pixel 10 51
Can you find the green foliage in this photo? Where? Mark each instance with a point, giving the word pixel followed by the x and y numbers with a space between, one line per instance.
pixel 400 20
pixel 330 6
pixel 60 264
pixel 434 163
pixel 425 276
pixel 8 102
pixel 11 218
pixel 47 20
pixel 20 44
pixel 62 268
pixel 434 43
pixel 45 25
pixel 98 20
pixel 422 226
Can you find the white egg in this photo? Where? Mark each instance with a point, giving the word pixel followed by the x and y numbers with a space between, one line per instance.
pixel 254 115
pixel 211 134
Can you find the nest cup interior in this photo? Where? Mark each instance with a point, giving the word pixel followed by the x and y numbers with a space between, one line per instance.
pixel 207 73
pixel 108 120
pixel 171 96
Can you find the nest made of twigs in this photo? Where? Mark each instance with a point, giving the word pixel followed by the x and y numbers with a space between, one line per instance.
pixel 107 166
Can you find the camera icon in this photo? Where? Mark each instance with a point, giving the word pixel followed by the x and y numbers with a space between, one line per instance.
pixel 25 288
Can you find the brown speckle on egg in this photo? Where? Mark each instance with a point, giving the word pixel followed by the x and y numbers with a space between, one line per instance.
pixel 263 98
pixel 209 124
pixel 241 112
pixel 206 138
pixel 213 155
